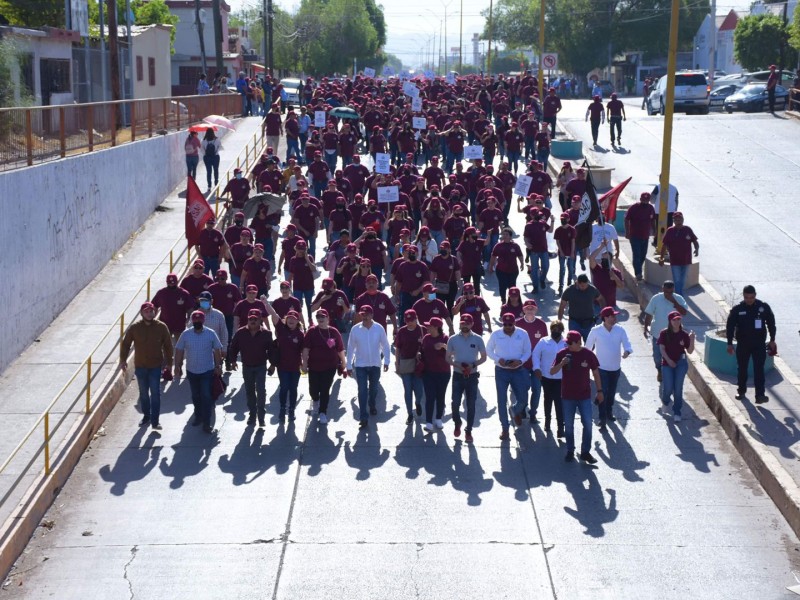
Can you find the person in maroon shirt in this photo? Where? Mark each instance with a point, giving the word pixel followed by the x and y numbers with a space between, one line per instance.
pixel 433 175
pixel 289 337
pixel 174 305
pixel 330 146
pixel 261 225
pixel 543 146
pixel 514 304
pixel 454 144
pixel 446 268
pixel 287 248
pixel 535 235
pixel 257 271
pixel 307 219
pixel 377 142
pixel 455 225
pixel 407 345
pixel 772 82
pixel 639 221
pixel 301 271
pixel 196 281
pixel 323 355
pixel 356 174
pixel 430 306
pixel 254 343
pixel 246 305
pixel 476 306
pixel 578 363
pixel 505 256
pixel 541 182
pixel 238 254
pixel 345 269
pixel 334 301
pixel 436 376
pixel 470 256
pixel 537 331
pixel 513 140
pixel 678 241
pixel 233 233
pixel 675 344
pixel 411 276
pixel 211 246
pixel 382 306
pixel 320 173
pixel 272 178
pixel 372 248
pixel 564 236
pixel 358 282
pixel 339 220
pixel 238 188
pixel 272 127
pixel 530 127
pixel 596 115
pixel 347 144
pixel 576 187
pixel 605 276
pixel 616 115
pixel 285 303
pixel 225 297
pixel 489 221
pixel 551 106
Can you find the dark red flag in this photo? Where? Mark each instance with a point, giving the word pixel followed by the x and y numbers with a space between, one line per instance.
pixel 608 201
pixel 198 212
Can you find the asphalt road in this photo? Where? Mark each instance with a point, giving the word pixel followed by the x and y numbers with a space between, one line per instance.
pixel 734 174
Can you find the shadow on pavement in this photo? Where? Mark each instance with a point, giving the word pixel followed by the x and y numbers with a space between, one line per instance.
pixel 686 436
pixel 191 455
pixel 134 463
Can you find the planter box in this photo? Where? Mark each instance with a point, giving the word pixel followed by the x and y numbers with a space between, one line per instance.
pixel 656 274
pixel 566 148
pixel 601 176
pixel 619 222
pixel 716 357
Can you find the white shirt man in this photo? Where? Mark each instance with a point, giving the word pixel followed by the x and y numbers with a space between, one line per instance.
pixel 605 234
pixel 605 340
pixel 509 348
pixel 367 345
pixel 544 355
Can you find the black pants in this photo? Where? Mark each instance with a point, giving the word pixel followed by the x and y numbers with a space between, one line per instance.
pixel 504 281
pixel 615 122
pixel 595 123
pixel 552 396
pixel 475 280
pixel 771 97
pixel 744 351
pixel 319 386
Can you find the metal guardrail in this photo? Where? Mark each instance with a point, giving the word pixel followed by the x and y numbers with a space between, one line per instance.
pixel 40 133
pixel 176 257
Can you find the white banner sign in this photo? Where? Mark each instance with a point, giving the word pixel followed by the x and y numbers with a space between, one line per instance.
pixel 382 162
pixel 387 70
pixel 369 72
pixel 416 104
pixel 451 79
pixel 523 185
pixel 409 89
pixel 473 152
pixel 389 193
pixel 419 123
pixel 320 116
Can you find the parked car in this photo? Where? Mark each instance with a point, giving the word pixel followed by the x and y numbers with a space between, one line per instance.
pixel 787 77
pixel 292 87
pixel 691 94
pixel 719 93
pixel 753 98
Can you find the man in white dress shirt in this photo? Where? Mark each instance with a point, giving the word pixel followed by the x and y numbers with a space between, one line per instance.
pixel 509 348
pixel 365 347
pixel 544 354
pixel 606 340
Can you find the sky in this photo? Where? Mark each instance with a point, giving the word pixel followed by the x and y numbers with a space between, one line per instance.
pixel 412 25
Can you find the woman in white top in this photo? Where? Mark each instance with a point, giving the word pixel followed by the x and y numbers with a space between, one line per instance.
pixel 564 177
pixel 211 147
pixel 427 248
pixel 192 149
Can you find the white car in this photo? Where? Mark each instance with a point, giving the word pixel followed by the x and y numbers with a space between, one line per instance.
pixel 292 87
pixel 691 94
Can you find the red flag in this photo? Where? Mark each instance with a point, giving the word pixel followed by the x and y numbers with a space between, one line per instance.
pixel 608 201
pixel 198 212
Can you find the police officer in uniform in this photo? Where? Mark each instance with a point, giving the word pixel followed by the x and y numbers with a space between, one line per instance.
pixel 749 322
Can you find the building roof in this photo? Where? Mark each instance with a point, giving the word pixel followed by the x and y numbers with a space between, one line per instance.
pixel 191 5
pixel 728 22
pixel 122 30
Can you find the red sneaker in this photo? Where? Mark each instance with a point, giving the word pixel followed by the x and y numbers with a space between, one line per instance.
pixel 504 434
pixel 468 437
pixel 457 431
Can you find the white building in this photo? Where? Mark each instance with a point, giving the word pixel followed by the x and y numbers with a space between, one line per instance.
pixel 701 54
pixel 152 71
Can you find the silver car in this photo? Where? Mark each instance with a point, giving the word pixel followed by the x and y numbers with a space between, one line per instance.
pixel 691 94
pixel 292 88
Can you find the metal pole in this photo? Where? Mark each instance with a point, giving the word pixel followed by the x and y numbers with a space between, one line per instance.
pixel 264 34
pixel 128 22
pixel 489 52
pixel 103 76
pixel 217 37
pixel 461 37
pixel 666 147
pixel 540 77
pixel 446 45
pixel 439 58
pixel 712 55
pixel 270 17
pixel 201 34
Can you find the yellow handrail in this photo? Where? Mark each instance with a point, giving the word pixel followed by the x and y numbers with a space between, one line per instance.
pixel 44 417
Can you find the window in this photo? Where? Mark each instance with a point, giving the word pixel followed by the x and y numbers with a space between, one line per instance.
pixel 151 69
pixel 139 69
pixel 189 76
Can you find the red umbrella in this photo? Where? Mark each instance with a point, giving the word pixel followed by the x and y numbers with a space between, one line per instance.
pixel 202 128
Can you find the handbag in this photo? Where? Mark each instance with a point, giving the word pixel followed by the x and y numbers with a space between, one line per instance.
pixel 441 287
pixel 218 386
pixel 406 365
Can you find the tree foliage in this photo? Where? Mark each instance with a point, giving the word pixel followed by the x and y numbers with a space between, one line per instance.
pixel 794 31
pixel 758 39
pixel 33 13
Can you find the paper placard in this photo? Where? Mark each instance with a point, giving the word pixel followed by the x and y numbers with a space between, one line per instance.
pixel 416 104
pixel 389 193
pixel 320 116
pixel 409 89
pixel 523 185
pixel 419 122
pixel 473 152
pixel 451 79
pixel 369 72
pixel 430 74
pixel 387 70
pixel 382 162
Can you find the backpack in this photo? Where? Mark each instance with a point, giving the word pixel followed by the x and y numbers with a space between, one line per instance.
pixel 211 149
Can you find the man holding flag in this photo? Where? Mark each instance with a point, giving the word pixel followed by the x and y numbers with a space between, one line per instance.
pixel 198 213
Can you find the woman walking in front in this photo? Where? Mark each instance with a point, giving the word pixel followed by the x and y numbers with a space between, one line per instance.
pixel 675 344
pixel 436 375
pixel 323 355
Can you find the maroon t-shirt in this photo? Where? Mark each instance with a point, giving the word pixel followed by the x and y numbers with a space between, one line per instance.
pixel 444 268
pixel 356 174
pixel 324 346
pixel 305 217
pixel 174 304
pixel 675 343
pixel 287 246
pixel 601 279
pixel 491 218
pixel 550 105
pixel 340 219
pixel 471 254
pixel 576 187
pixel 575 383
pixel 332 304
pixel 283 305
pixel 319 170
pixel 514 141
pixel 240 191
pixel 257 272
pixel 427 310
pixel 225 296
pixel 541 182
pixel 454 227
pixel 273 123
pixel 679 244
pixel 435 360
pixel 615 107
pixel 373 250
pixel 358 283
pixel 455 141
pixel 433 176
pixel 233 234
pixel 273 179
pixel 347 144
pixel 536 235
pixel 639 219
pixel 475 307
pixel 195 285
pixel 506 254
pixel 211 241
pixel 408 343
pixel 564 236
pixel 240 253
pixel 382 306
pixel 290 342
pixel 537 329
pixel 302 275
pixel 596 111
pixel 243 307
pixel 412 275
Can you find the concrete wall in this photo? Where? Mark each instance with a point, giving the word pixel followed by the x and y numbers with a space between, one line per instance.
pixel 62 222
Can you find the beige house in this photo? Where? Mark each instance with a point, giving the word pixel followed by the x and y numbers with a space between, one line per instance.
pixel 151 58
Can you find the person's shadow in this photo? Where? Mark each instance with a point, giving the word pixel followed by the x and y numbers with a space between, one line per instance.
pixel 191 456
pixel 133 463
pixel 686 436
pixel 468 477
pixel 320 449
pixel 366 453
pixel 590 505
pixel 619 454
pixel 771 432
pixel 511 473
pixel 246 458
pixel 407 454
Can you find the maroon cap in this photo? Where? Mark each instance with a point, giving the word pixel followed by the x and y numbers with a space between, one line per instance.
pixel 291 227
pixel 410 314
pixel 467 318
pixel 322 313
pixel 259 247
pixel 677 213
pixel 293 314
pixel 199 263
pixel 147 306
pixel 427 288
pixel 198 316
pixel 608 311
pixel 573 336
pixel 254 312
pixel 172 278
pixel 251 288
pixel 674 315
pixel 366 310
pixel 285 284
pixel 301 245
pixel 327 283
pixel 509 319
pixel 222 274
pixel 468 287
pixel 530 302
pixel 444 244
pixel 351 247
pixel 434 322
pixel 246 233
pixel 513 291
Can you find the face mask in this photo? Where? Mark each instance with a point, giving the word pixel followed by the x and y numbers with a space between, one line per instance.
pixel 371 236
pixel 205 304
pixel 430 296
pixel 412 257
pixel 238 176
pixel 197 326
pixel 443 251
pixel 371 209
pixel 239 223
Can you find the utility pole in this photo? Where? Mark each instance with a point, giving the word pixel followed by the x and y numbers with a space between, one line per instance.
pixel 129 23
pixel 218 36
pixel 264 34
pixel 113 50
pixel 712 54
pixel 103 63
pixel 461 37
pixel 446 45
pixel 200 27
pixel 270 18
pixel 540 76
pixel 439 58
pixel 489 53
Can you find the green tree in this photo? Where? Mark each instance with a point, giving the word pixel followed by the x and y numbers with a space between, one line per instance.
pixel 794 31
pixel 155 12
pixel 758 40
pixel 33 13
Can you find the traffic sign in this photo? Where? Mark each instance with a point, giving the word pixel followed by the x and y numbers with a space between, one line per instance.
pixel 550 60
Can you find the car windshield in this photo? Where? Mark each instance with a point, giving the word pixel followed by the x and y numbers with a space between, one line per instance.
pixel 752 89
pixel 690 79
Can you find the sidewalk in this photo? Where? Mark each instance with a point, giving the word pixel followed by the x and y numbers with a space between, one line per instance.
pixel 773 427
pixel 32 381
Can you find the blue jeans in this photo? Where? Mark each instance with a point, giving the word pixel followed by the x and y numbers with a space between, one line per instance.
pixel 584 407
pixel 656 349
pixel 200 384
pixel 518 380
pixel 212 165
pixel 438 236
pixel 566 264
pixel 289 380
pixel 308 295
pixel 229 326
pixel 540 265
pixel 255 388
pixel 487 249
pixel 149 392
pixel 211 265
pixel 672 384
pixel 191 164
pixel 542 154
pixel 464 386
pixel 513 160
pixel 505 281
pixel 679 277
pixel 330 159
pixel 292 149
pixel 414 388
pixel 536 393
pixel 368 379
pixel 530 146
pixel 584 326
pixel 406 302
pixel 639 250
pixel 609 380
pixel 435 391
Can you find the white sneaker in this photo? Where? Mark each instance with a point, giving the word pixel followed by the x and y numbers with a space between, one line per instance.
pixel 323 419
pixel 428 426
pixel 316 406
pixel 676 418
pixel 438 423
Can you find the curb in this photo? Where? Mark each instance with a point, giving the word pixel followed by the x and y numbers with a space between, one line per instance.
pixel 767 469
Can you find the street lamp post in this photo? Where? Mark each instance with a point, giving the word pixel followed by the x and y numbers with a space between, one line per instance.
pixel 541 50
pixel 461 37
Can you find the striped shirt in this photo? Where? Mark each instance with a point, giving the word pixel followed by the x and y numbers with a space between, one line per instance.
pixel 199 349
pixel 216 320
